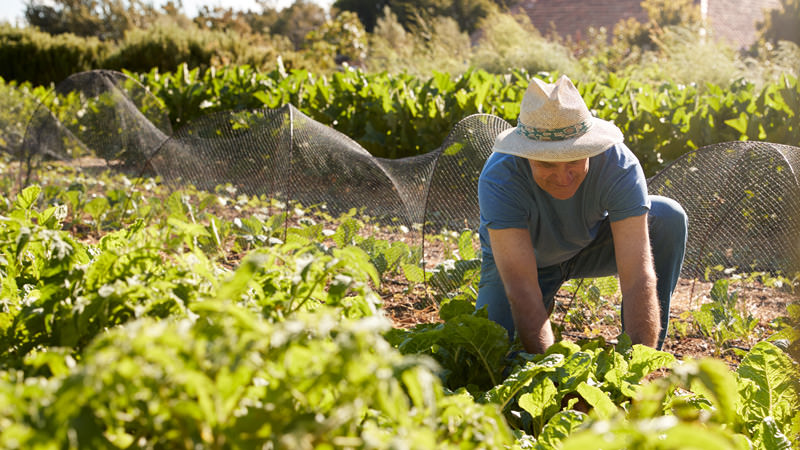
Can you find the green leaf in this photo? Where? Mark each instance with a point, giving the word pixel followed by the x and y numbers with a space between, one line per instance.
pixel 191 230
pixel 693 436
pixel 455 308
pixel 769 434
pixel 504 393
pixel 465 248
pixel 575 370
pixel 358 259
pixel 346 233
pixel 559 427
pixel 395 253
pixel 713 378
pixel 485 339
pixel 27 198
pixel 453 149
pixel 96 207
pixel 540 396
pixel 415 274
pixel 777 393
pixel 22 240
pixel 600 401
pixel 739 124
pixel 51 217
pixel 645 360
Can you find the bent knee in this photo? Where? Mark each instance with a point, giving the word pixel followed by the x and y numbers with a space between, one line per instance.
pixel 667 215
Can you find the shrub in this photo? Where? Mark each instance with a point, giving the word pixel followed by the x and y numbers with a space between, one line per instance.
pixel 684 57
pixel 511 42
pixel 166 45
pixel 27 54
pixel 435 45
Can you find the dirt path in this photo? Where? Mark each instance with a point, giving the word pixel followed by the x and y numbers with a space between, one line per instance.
pixel 410 306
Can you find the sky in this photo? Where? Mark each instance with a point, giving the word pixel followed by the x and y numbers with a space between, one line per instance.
pixel 13 11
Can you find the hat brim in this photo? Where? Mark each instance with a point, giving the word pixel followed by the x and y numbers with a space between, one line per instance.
pixel 600 136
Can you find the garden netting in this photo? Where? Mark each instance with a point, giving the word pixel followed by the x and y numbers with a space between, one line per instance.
pixel 742 198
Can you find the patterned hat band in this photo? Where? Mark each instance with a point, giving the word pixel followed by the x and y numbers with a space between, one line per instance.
pixel 554 134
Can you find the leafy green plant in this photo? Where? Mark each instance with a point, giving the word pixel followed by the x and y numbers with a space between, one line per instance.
pixel 723 320
pixel 229 321
pixel 590 296
pixel 593 378
pixel 225 378
pixel 470 348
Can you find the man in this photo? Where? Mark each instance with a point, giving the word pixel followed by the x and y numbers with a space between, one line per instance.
pixel 562 197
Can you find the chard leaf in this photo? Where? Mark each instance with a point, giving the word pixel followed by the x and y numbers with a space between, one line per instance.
pixel 575 370
pixel 624 345
pixel 486 340
pixel 419 339
pixel 502 394
pixel 770 435
pixel 415 274
pixel 560 427
pixel 358 259
pixel 395 253
pixel 690 436
pixel 611 367
pixel 777 393
pixel 714 380
pixel 539 398
pixel 602 404
pixel 455 308
pixel 645 360
pixel 465 248
pixel 565 348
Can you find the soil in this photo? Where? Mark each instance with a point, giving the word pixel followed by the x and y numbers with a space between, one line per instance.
pixel 408 306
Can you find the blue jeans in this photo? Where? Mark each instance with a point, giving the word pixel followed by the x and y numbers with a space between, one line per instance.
pixel 668 227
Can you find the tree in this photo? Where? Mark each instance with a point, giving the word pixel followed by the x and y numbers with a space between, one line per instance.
pixel 105 19
pixel 469 13
pixel 368 11
pixel 781 24
pixel 222 19
pixel 346 36
pixel 409 12
pixel 296 21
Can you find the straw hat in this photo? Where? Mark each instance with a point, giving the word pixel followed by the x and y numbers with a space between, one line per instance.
pixel 555 125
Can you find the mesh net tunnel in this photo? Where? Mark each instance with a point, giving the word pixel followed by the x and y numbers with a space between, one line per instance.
pixel 742 198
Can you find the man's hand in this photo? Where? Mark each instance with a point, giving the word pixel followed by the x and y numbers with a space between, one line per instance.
pixel 516 263
pixel 637 279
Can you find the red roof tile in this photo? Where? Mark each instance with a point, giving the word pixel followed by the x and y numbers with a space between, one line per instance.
pixel 733 21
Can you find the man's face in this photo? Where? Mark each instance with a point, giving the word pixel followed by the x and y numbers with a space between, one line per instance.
pixel 560 179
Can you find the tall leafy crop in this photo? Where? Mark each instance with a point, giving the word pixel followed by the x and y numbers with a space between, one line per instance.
pixel 401 115
pixel 226 379
pixel 574 395
pixel 146 336
pixel 60 292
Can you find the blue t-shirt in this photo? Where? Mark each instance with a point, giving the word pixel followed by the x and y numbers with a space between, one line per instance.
pixel 614 187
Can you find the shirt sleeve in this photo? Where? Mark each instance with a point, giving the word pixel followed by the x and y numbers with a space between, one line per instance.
pixel 499 197
pixel 627 196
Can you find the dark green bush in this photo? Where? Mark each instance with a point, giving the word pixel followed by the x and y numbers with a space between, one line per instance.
pixel 27 54
pixel 164 47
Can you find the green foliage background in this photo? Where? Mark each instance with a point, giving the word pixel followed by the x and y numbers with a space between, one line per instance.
pixel 401 115
pixel 135 317
pixel 124 324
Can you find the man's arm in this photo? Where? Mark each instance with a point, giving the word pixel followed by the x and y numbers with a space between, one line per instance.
pixel 637 279
pixel 516 262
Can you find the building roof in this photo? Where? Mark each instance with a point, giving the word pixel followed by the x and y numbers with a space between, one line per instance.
pixel 733 21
